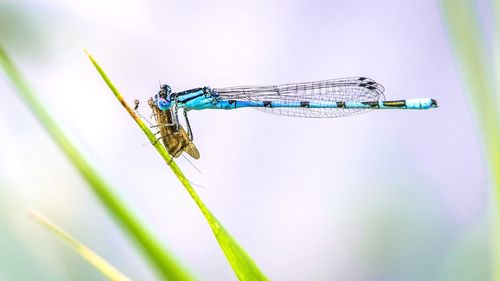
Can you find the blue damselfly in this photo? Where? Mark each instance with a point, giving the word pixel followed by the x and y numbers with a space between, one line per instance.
pixel 326 98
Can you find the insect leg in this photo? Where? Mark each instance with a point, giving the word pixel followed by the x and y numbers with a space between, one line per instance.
pixel 190 133
pixel 175 118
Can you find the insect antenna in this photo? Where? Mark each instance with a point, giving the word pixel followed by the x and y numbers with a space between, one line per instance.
pixel 136 109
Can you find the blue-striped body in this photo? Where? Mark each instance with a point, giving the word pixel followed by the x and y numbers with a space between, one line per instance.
pixel 208 103
pixel 198 99
pixel 327 98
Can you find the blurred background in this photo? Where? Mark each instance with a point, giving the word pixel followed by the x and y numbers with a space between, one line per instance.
pixel 388 195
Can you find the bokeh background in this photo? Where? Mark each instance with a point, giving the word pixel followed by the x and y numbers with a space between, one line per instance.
pixel 388 195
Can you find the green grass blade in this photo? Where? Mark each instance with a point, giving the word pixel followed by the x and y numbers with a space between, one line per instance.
pixel 242 264
pixel 99 263
pixel 161 260
pixel 478 74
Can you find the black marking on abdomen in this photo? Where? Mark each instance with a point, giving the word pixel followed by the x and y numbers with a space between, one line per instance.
pixel 372 104
pixel 304 104
pixel 267 103
pixel 341 104
pixel 395 103
pixel 232 102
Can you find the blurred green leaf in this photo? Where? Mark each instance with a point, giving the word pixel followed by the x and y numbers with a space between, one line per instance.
pixel 99 263
pixel 151 247
pixel 477 68
pixel 242 264
pixel 15 250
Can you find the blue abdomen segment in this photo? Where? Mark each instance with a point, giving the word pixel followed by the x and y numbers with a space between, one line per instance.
pixel 423 103
pixel 203 98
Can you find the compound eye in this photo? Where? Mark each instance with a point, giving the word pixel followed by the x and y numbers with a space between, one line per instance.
pixel 163 104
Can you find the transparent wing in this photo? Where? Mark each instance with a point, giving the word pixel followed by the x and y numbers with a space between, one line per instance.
pixel 353 89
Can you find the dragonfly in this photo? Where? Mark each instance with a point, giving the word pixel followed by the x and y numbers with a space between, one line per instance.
pixel 318 99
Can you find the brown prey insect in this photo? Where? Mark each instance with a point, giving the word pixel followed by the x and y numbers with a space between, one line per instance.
pixel 174 137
